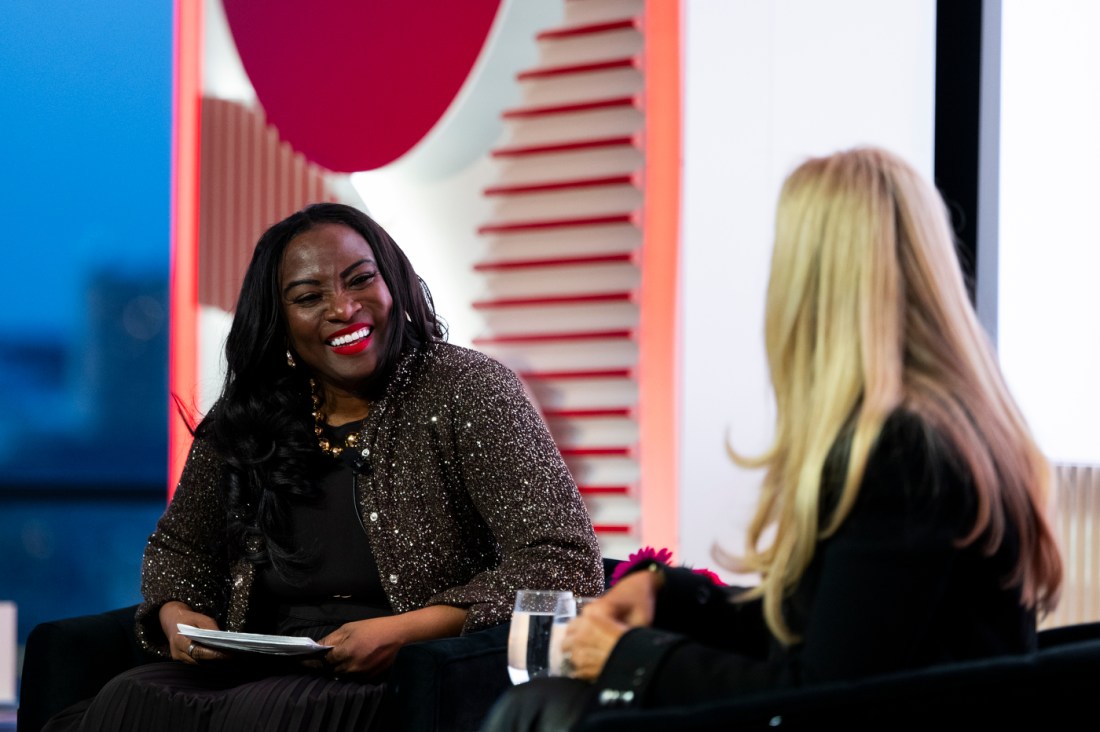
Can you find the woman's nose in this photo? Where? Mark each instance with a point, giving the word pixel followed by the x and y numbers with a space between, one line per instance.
pixel 343 306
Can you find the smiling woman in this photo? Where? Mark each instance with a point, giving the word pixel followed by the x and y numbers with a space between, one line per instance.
pixel 337 306
pixel 360 482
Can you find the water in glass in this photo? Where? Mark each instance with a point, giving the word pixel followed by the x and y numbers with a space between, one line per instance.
pixel 529 634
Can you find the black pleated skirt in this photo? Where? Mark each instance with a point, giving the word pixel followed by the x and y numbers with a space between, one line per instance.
pixel 177 697
pixel 248 692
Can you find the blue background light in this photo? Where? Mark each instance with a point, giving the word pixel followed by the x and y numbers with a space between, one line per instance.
pixel 85 133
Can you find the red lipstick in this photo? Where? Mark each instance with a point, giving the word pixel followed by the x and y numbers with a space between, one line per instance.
pixel 351 346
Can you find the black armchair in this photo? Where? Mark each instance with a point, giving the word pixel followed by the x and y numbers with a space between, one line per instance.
pixel 69 660
pixel 1051 687
pixel 445 685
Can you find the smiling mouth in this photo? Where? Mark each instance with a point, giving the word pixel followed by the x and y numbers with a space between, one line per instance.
pixel 350 339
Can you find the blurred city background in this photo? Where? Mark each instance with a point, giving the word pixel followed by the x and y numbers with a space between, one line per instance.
pixel 84 197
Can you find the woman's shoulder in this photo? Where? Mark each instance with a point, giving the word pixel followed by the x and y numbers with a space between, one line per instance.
pixel 462 376
pixel 915 465
pixel 449 360
pixel 907 430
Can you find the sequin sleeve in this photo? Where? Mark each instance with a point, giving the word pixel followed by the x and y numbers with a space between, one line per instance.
pixel 185 556
pixel 520 485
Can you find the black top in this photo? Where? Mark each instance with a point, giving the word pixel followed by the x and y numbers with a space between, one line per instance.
pixel 890 590
pixel 343 583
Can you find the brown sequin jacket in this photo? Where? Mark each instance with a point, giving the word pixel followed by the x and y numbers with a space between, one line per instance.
pixel 465 498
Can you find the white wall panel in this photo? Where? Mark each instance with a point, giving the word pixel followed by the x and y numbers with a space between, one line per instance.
pixel 766 85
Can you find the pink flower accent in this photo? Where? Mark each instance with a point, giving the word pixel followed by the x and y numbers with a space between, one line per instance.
pixel 663 556
pixel 645 554
pixel 710 575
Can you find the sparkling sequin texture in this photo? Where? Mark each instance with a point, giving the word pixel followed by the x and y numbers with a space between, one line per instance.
pixel 464 495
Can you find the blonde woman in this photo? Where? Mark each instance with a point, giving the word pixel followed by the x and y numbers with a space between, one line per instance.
pixel 904 489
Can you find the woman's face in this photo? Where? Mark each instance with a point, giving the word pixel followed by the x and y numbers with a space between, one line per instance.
pixel 336 305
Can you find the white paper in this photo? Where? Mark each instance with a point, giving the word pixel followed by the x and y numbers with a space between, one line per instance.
pixel 276 645
pixel 7 652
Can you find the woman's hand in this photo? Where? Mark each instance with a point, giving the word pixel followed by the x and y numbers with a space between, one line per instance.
pixel 365 646
pixel 633 599
pixel 181 647
pixel 588 642
pixel 369 646
pixel 590 638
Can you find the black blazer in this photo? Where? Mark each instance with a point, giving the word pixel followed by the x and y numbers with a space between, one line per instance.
pixel 890 590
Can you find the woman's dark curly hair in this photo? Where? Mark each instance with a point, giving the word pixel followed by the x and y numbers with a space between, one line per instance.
pixel 262 425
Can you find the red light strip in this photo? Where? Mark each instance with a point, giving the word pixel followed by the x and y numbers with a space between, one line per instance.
pixel 631 101
pixel 554 262
pixel 604 490
pixel 596 335
pixel 583 30
pixel 612 528
pixel 625 218
pixel 596 451
pixel 610 180
pixel 553 300
pixel 565 146
pixel 618 63
pixel 659 364
pixel 592 374
pixel 586 413
pixel 183 280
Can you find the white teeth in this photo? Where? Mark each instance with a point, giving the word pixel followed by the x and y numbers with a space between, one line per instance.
pixel 350 337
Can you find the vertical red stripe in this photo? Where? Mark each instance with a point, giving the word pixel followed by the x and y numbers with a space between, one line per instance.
pixel 257 223
pixel 659 340
pixel 243 193
pixel 183 281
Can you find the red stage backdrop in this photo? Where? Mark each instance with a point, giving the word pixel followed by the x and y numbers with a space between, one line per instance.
pixel 355 85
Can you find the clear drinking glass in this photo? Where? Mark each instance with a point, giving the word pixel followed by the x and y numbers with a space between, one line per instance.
pixel 529 634
pixel 566 610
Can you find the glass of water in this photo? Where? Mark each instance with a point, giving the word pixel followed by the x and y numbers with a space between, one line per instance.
pixel 529 634
pixel 567 609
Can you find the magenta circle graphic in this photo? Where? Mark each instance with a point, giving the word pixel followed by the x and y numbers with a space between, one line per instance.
pixel 355 84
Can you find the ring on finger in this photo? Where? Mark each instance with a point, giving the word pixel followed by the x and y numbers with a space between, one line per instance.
pixel 191 649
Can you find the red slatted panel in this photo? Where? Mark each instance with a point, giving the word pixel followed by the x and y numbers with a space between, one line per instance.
pixel 621 218
pixel 568 146
pixel 587 413
pixel 566 143
pixel 586 106
pixel 507 302
pixel 614 528
pixel 604 490
pixel 553 262
pixel 596 451
pixel 582 374
pixel 598 335
pixel 589 29
pixel 561 185
pixel 618 63
pixel 251 179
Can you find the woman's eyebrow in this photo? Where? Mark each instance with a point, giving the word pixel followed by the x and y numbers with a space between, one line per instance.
pixel 297 283
pixel 291 285
pixel 351 269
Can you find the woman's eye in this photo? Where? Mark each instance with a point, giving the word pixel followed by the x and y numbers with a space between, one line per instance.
pixel 307 299
pixel 361 279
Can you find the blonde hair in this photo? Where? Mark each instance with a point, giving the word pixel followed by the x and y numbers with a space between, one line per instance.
pixel 867 313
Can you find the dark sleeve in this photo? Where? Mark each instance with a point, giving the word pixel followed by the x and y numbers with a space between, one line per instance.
pixel 520 486
pixel 690 604
pixel 185 556
pixel 702 627
pixel 867 596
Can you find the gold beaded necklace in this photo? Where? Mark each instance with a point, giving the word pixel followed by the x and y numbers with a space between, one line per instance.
pixel 323 442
